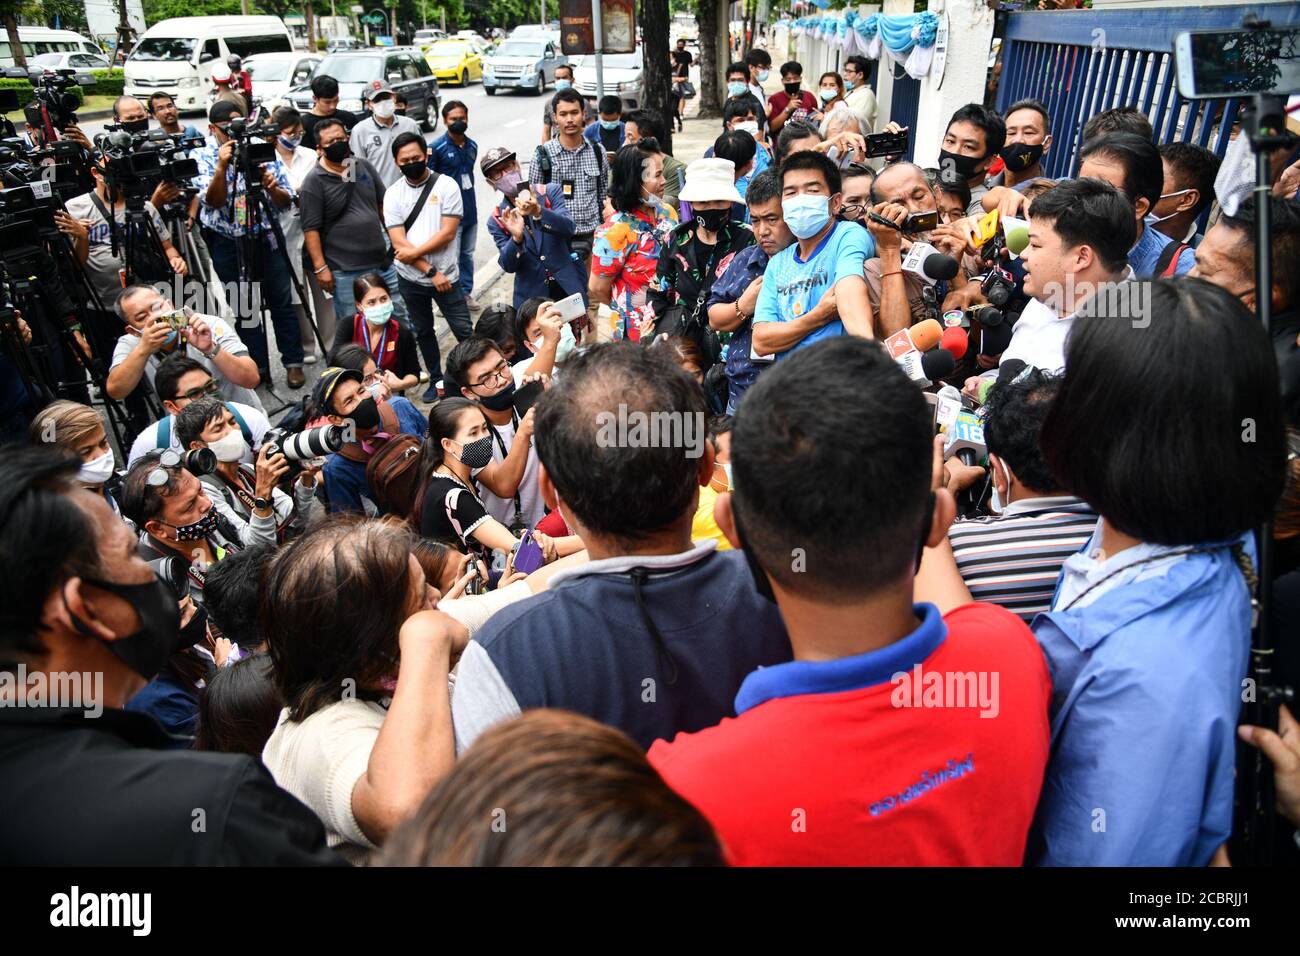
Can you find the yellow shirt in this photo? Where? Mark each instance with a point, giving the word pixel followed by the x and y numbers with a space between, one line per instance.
pixel 703 526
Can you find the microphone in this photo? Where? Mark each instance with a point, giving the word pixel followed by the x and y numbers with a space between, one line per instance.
pixel 930 265
pixel 995 340
pixel 947 407
pixel 921 337
pixel 988 317
pixel 1017 235
pixel 1008 371
pixel 938 364
pixel 966 439
pixel 954 340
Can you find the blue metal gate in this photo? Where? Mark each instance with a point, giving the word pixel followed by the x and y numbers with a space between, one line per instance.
pixel 1080 62
pixel 905 102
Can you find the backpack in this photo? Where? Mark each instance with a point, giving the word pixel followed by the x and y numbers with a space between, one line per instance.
pixel 393 474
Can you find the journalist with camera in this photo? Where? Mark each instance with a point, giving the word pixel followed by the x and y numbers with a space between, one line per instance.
pixel 243 186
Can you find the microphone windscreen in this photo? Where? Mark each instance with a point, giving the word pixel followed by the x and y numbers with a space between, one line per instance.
pixel 988 317
pixel 939 266
pixel 925 335
pixel 1010 369
pixel 938 364
pixel 993 341
pixel 954 340
pixel 1017 239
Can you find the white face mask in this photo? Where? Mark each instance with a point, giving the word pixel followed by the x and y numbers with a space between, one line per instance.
pixel 996 504
pixel 230 446
pixel 97 470
pixel 750 127
pixel 383 108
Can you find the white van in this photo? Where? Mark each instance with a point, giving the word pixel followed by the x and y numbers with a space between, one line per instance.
pixel 38 40
pixel 176 56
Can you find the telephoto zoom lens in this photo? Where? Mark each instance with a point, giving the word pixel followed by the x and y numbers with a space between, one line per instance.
pixel 199 461
pixel 313 443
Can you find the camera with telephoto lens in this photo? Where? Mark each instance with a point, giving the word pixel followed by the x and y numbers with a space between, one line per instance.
pixel 998 287
pixel 173 571
pixel 254 146
pixel 199 461
pixel 52 97
pixel 311 443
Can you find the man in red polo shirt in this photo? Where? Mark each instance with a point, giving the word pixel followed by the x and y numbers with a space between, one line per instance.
pixel 896 736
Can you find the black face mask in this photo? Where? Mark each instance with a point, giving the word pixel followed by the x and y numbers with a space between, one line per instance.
pixel 501 400
pixel 159 636
pixel 414 171
pixel 135 126
pixel 1020 156
pixel 337 151
pixel 954 167
pixel 366 415
pixel 712 219
pixel 458 127
pixel 791 89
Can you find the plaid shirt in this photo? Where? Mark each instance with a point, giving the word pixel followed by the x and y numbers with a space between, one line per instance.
pixel 583 173
pixel 221 220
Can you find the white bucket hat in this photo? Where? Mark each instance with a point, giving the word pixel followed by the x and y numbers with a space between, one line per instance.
pixel 710 179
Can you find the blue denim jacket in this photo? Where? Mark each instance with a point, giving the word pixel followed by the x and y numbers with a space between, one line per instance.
pixel 1147 687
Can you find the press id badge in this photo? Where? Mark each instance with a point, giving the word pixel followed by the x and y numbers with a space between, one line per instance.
pixel 466 182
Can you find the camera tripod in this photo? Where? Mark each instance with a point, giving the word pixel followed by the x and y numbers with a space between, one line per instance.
pixel 259 212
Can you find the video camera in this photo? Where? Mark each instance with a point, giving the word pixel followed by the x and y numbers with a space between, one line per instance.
pixel 53 102
pixel 135 163
pixel 250 153
pixel 26 217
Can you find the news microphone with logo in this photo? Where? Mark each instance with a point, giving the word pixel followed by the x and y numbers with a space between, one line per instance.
pixel 955 340
pixel 966 439
pixel 926 368
pixel 929 264
pixel 994 341
pixel 921 337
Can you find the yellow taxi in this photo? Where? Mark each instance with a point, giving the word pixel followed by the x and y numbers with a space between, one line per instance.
pixel 454 61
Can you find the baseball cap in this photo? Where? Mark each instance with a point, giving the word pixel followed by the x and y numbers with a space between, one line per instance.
pixel 378 88
pixel 330 379
pixel 222 110
pixel 494 157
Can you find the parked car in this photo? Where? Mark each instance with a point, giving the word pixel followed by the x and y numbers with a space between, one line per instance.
pixel 69 61
pixel 427 36
pixel 523 63
pixel 454 61
pixel 403 67
pixel 275 74
pixel 343 43
pixel 176 56
pixel 38 41
pixel 624 78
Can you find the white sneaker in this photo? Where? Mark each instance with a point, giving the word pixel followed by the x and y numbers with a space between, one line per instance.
pixel 309 359
pixel 424 376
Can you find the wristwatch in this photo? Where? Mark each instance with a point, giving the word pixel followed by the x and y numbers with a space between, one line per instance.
pixel 431 272
pixel 216 350
pixel 262 504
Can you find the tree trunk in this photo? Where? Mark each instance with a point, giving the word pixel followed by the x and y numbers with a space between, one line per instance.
pixel 125 31
pixel 713 55
pixel 11 27
pixel 653 20
pixel 309 16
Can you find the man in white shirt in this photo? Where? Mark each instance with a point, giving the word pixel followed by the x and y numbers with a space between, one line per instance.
pixel 759 62
pixel 149 337
pixel 1080 233
pixel 860 97
pixel 373 138
pixel 428 252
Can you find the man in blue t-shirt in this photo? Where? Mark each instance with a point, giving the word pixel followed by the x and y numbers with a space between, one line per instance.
pixel 341 397
pixel 814 289
pixel 454 154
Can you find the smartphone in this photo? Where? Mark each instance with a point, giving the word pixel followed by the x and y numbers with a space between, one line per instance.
pixel 571 307
pixel 886 144
pixel 526 397
pixel 920 221
pixel 177 320
pixel 1214 63
pixel 528 554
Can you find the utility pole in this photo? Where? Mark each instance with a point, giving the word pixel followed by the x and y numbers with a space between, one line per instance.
pixel 598 41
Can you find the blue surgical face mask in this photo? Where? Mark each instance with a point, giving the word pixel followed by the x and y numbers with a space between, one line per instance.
pixel 848 84
pixel 735 88
pixel 762 76
pixel 828 95
pixel 290 142
pixel 609 124
pixel 563 84
pixel 378 314
pixel 806 215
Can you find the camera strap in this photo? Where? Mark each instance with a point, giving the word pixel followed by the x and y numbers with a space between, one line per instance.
pixel 419 205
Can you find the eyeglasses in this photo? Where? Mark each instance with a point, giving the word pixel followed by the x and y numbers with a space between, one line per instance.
pixel 209 390
pixel 161 476
pixel 853 210
pixel 498 376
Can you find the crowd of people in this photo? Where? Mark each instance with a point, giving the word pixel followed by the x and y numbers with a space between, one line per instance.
pixel 803 507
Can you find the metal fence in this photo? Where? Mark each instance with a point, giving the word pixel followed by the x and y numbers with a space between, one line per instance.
pixel 1080 62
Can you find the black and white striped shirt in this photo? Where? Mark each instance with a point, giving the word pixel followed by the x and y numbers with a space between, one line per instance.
pixel 1015 558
